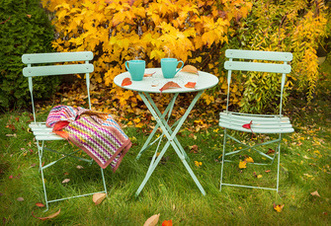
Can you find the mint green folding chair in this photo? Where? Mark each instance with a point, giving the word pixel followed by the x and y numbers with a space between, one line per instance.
pixel 48 64
pixel 246 61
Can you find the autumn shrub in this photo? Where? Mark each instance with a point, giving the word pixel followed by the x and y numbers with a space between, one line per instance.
pixel 291 26
pixel 197 32
pixel 24 28
pixel 118 30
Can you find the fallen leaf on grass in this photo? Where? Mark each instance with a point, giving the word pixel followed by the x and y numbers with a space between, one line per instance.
pixel 249 159
pixel 190 85
pixel 267 171
pixel 152 221
pixel 79 167
pixel 270 151
pixel 39 204
pixel 169 85
pixel 315 193
pixel 167 223
pixel 194 148
pixel 20 199
pixel 126 82
pixel 278 208
pixel 242 165
pixel 190 69
pixel 48 217
pixel 65 181
pixel 98 198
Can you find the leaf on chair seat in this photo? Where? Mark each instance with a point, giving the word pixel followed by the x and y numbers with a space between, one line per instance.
pixel 248 125
pixel 126 82
pixel 190 69
pixel 169 85
pixel 99 197
pixel 48 217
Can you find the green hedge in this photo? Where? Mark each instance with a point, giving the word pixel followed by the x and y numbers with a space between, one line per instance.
pixel 24 28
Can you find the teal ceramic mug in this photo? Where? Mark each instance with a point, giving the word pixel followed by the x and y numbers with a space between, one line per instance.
pixel 136 68
pixel 169 67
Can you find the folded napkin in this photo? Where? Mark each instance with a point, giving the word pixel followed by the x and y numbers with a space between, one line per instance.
pixel 96 133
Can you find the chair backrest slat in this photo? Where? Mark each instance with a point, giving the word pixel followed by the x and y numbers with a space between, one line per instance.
pixel 258 61
pixel 258 55
pixel 71 66
pixel 261 67
pixel 58 70
pixel 39 58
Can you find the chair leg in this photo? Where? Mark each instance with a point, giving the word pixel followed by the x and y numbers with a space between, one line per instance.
pixel 223 158
pixel 40 154
pixel 103 180
pixel 278 166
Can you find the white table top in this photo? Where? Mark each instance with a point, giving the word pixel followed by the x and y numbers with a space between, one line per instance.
pixel 153 84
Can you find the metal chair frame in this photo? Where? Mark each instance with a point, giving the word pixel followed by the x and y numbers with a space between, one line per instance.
pixel 36 67
pixel 255 61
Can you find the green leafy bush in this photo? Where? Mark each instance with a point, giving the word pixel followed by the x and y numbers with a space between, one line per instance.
pixel 24 28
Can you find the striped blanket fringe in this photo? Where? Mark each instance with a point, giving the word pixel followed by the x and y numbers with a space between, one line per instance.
pixel 96 133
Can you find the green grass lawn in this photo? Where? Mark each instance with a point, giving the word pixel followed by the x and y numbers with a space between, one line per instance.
pixel 305 168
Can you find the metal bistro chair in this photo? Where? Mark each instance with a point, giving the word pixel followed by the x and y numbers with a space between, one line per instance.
pixel 39 129
pixel 255 61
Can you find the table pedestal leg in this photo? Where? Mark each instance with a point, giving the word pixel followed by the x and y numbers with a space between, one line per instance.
pixel 171 136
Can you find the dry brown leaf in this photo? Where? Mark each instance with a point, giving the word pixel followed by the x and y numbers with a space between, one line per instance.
pixel 20 199
pixel 152 221
pixel 315 193
pixel 190 69
pixel 99 197
pixel 169 85
pixel 149 74
pixel 65 181
pixel 48 217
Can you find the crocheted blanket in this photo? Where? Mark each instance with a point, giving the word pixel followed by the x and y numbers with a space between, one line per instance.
pixel 98 134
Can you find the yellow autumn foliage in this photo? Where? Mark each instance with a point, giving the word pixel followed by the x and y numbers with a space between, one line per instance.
pixel 118 30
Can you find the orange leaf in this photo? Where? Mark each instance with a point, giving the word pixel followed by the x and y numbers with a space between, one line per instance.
pixel 48 217
pixel 169 85
pixel 39 204
pixel 167 223
pixel 190 69
pixel 190 84
pixel 126 82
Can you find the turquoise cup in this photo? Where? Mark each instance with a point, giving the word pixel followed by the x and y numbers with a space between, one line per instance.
pixel 136 68
pixel 169 67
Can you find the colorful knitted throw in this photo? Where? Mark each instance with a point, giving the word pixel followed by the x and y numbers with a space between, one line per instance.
pixel 98 134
